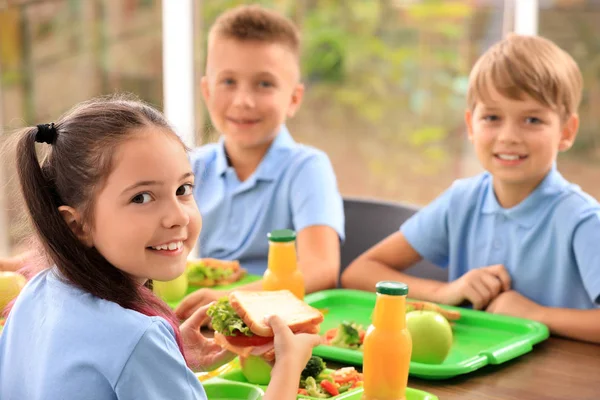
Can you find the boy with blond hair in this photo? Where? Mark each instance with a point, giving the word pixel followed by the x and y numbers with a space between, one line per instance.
pixel 518 239
pixel 257 178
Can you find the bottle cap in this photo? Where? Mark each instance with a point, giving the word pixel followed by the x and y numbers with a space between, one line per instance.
pixel 392 288
pixel 281 235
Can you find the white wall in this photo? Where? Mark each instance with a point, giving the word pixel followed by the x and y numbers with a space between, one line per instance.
pixel 178 67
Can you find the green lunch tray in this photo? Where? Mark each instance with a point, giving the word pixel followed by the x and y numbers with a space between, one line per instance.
pixel 236 375
pixel 480 338
pixel 226 390
pixel 249 278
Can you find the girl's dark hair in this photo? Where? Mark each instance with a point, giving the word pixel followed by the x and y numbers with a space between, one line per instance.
pixel 77 165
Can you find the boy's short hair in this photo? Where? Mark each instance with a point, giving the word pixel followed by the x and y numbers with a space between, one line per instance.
pixel 256 23
pixel 530 65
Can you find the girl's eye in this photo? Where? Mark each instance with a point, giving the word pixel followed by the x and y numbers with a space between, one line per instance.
pixel 265 84
pixel 228 81
pixel 185 190
pixel 533 120
pixel 142 198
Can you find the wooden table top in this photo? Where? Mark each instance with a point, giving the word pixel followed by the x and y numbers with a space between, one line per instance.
pixel 556 369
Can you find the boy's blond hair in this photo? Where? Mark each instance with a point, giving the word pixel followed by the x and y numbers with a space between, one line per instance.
pixel 256 23
pixel 529 65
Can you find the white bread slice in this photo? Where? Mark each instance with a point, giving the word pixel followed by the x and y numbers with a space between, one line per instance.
pixel 252 307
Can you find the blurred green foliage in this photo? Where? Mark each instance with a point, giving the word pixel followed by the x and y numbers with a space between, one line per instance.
pixel 393 70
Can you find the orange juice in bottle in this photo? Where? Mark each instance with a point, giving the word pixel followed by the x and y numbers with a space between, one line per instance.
pixel 282 270
pixel 387 345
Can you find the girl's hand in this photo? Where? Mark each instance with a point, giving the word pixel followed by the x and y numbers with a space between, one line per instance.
pixel 292 351
pixel 202 354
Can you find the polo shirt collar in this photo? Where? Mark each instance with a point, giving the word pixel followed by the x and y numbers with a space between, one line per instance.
pixel 532 208
pixel 270 165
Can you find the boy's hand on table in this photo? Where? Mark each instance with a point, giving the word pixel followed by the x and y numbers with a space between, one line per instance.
pixel 478 287
pixel 514 304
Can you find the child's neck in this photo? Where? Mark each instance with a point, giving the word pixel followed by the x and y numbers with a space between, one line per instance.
pixel 245 160
pixel 510 195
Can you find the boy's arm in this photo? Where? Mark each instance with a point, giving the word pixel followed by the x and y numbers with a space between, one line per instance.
pixel 318 257
pixel 385 261
pixel 571 323
pixel 317 211
pixel 574 324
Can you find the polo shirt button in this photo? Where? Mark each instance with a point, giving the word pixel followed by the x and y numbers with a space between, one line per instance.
pixel 497 243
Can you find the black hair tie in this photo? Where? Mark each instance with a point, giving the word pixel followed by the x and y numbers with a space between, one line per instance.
pixel 46 133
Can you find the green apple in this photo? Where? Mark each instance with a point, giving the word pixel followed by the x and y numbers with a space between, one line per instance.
pixel 172 290
pixel 11 284
pixel 431 336
pixel 256 370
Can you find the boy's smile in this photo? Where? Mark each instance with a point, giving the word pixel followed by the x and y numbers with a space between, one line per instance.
pixel 242 123
pixel 509 159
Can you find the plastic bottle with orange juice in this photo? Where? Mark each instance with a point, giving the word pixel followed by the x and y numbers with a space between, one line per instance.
pixel 387 345
pixel 282 270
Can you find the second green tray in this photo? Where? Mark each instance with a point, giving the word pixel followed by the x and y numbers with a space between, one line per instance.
pixel 480 338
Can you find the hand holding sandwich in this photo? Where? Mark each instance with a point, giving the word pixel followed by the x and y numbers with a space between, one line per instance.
pixel 292 352
pixel 202 354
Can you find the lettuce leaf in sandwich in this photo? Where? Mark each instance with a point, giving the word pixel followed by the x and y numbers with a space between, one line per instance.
pixel 226 321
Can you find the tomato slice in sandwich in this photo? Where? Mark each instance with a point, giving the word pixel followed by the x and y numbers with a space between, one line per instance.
pixel 243 340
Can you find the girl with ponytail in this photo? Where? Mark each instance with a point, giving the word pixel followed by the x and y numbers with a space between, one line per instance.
pixel 114 189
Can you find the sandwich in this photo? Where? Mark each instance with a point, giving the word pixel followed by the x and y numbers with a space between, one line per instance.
pixel 209 272
pixel 240 326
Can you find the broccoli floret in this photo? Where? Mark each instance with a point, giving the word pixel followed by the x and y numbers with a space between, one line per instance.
pixel 312 389
pixel 314 367
pixel 347 336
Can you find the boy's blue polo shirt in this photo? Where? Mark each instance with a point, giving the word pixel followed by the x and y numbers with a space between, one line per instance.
pixel 294 187
pixel 549 243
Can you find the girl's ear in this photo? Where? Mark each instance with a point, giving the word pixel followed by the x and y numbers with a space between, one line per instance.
pixel 75 222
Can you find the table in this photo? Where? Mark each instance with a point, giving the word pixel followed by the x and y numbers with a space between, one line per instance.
pixel 556 369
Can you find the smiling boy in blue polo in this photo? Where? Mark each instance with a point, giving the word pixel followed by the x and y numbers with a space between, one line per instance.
pixel 257 178
pixel 518 239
